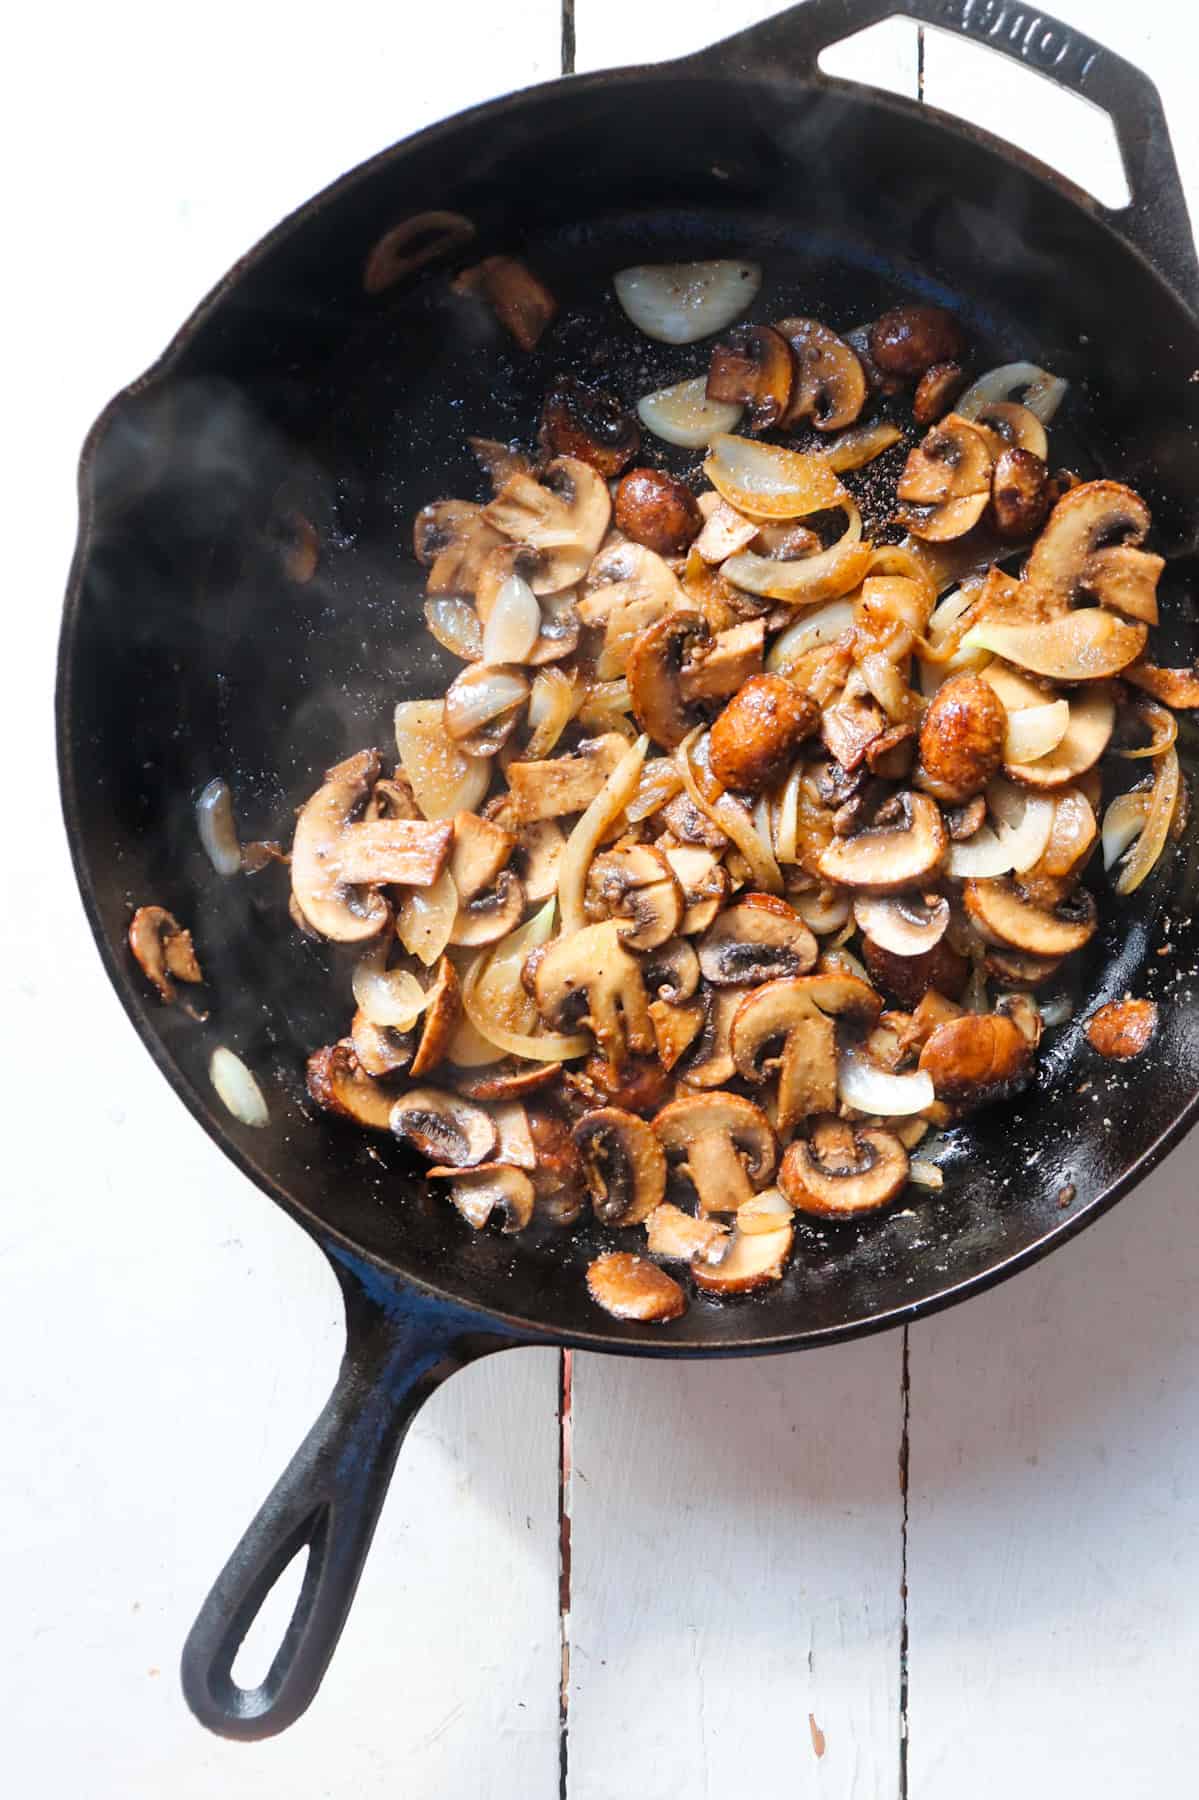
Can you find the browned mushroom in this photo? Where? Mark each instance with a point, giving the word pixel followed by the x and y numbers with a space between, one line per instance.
pixel 946 483
pixel 1017 968
pixel 915 973
pixel 1073 555
pixel 1006 918
pixel 904 848
pixel 936 391
pixel 676 1025
pixel 678 1236
pixel 632 1287
pixel 751 1261
pixel 655 668
pixel 728 1146
pixel 961 740
pixel 977 1059
pixel 654 509
pixel 443 1127
pixel 478 1192
pixel 507 1080
pixel 753 367
pixel 759 939
pixel 380 1049
pixel 708 1063
pixel 704 883
pixel 591 977
pixel 842 1170
pixel 624 1165
pixel 453 540
pixel 338 1083
pixel 639 1085
pixel 1019 494
pixel 162 947
pixel 911 339
pixel 561 519
pixel 578 420
pixel 563 784
pixel 788 1026
pixel 637 885
pixel 1173 687
pixel 760 728
pixel 1122 1029
pixel 719 665
pixel 829 387
pixel 523 305
pixel 440 1018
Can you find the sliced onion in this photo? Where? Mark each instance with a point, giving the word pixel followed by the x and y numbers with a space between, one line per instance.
pixel 1058 1011
pixel 238 1089
pixel 724 812
pixel 479 696
pixel 660 782
pixel 584 840
pixel 886 682
pixel 684 415
pixel 443 780
pixel 218 828
pixel 869 1089
pixel 860 445
pixel 389 997
pixel 426 918
pixel 1036 388
pixel 1161 722
pixel 1123 821
pixel 678 303
pixel 468 1048
pixel 823 625
pixel 766 482
pixel 786 818
pixel 1073 831
pixel 551 708
pixel 925 1174
pixel 455 625
pixel 1033 731
pixel 979 857
pixel 513 624
pixel 495 1001
pixel 1163 800
pixel 813 579
pixel 1023 822
pixel 1088 645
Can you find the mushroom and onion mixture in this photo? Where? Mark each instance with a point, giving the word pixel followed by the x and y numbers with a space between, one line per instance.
pixel 734 856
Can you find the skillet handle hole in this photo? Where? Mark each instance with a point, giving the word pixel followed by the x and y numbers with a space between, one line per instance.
pixel 255 1655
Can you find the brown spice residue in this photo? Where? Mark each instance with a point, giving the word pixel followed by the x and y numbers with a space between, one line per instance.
pixel 1123 1029
pixel 818 1740
pixel 1067 1195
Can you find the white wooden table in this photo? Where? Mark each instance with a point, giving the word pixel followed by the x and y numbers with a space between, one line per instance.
pixel 759 1605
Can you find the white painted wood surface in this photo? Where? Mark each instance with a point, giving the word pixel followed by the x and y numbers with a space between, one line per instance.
pixel 738 1531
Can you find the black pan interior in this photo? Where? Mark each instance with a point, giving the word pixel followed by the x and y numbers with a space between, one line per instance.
pixel 188 654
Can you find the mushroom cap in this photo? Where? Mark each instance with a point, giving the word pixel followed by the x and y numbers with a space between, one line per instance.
pixel 1091 516
pixel 840 1172
pixel 635 884
pixel 1122 1029
pixel 440 1018
pixel 830 384
pixel 478 1191
pixel 672 972
pixel 753 1260
pixel 490 916
pixel 680 1123
pixel 961 739
pixel 588 423
pixel 654 674
pixel 624 1165
pixel 632 1287
pixel 563 517
pixel 1005 917
pixel 758 730
pixel 338 1084
pixel 780 1026
pixel 444 1127
pixel 905 924
pixel 911 975
pixel 754 367
pixel 888 858
pixel 592 966
pixel 380 1049
pixel 540 846
pixel 946 484
pixel 1018 968
pixel 759 939
pixel 977 1059
pixel 709 1062
pixel 337 911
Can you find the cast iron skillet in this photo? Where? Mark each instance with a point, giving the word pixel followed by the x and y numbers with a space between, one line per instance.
pixel 187 653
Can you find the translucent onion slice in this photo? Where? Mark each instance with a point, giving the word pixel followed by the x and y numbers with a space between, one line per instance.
pixel 1163 727
pixel 551 708
pixel 238 1089
pixel 584 840
pixel 1163 800
pixel 887 684
pixel 1088 645
pixel 786 818
pixel 724 812
pixel 426 918
pixel 860 445
pixel 1033 731
pixel 479 696
pixel 823 625
pixel 1024 822
pixel 660 782
pixel 767 483
pixel 869 1089
pixel 455 625
pixel 389 997
pixel 925 1174
pixel 513 624
pixel 1123 821
pixel 218 828
pixel 678 303
pixel 1035 388
pixel 813 579
pixel 497 1005
pixel 980 857
pixel 684 415
pixel 443 780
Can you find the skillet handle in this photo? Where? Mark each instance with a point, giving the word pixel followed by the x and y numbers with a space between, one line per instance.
pixel 400 1345
pixel 1156 220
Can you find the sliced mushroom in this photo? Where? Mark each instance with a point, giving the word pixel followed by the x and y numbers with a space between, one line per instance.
pixel 453 540
pixel 624 1165
pixel 1005 917
pixel 1125 579
pixel 411 244
pixel 628 588
pixel 1020 494
pixel 560 624
pixel 704 883
pixel 788 1026
pixel 443 1127
pixel 563 517
pixel 909 975
pixel 830 384
pixel 582 421
pixel 480 852
pixel 753 1260
pixel 904 852
pixel 907 925
pixel 724 663
pixel 591 977
pixel 1018 969
pixel 961 740
pixel 490 916
pixel 499 462
pixel 162 947
pixel 631 1287
pixel 677 1236
pixel 843 1170
pixel 1173 687
pixel 936 391
pixel 759 939
pixel 672 971
pixel 523 305
pixel 849 728
pixel 380 1049
pixel 685 822
pixel 709 1062
pixel 728 1146
pixel 538 856
pixel 1007 425
pixel 961 822
pixel 337 1083
pixel 977 1059
pixel 635 884
pixel 564 784
pixel 558 1176
pixel 676 1025
pixel 910 339
pixel 760 728
pixel 1092 517
pixel 945 487
pixel 1122 1029
pixel 508 1081
pixel 754 367
pixel 478 1192
pixel 655 672
pixel 440 1018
